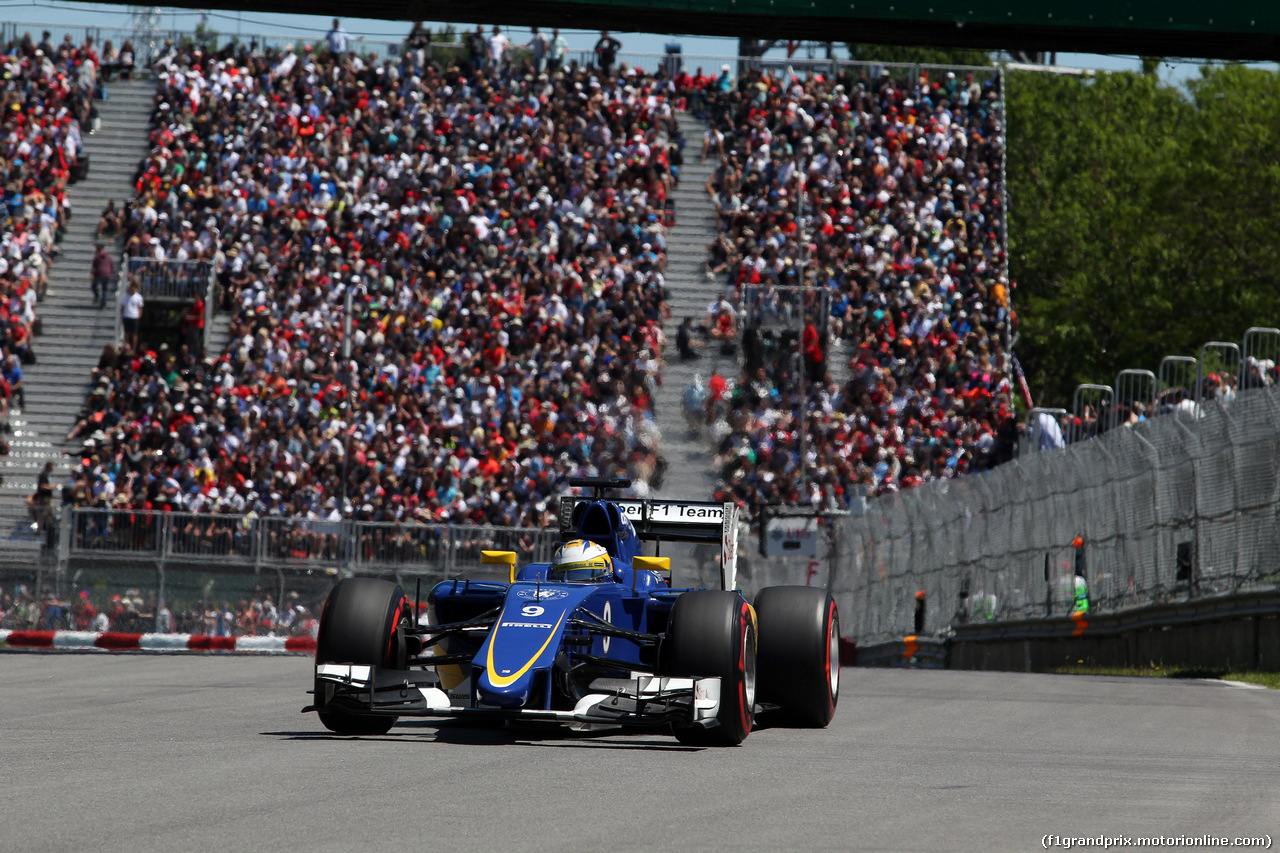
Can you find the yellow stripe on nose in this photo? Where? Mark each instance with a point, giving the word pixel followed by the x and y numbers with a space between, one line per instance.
pixel 507 680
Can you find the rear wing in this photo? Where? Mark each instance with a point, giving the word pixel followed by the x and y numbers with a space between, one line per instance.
pixel 674 521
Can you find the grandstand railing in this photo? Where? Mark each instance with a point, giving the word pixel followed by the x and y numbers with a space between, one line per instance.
pixel 290 542
pixel 710 64
pixel 168 280
pixel 11 31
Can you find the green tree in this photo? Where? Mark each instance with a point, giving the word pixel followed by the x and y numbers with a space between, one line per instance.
pixel 918 55
pixel 1142 218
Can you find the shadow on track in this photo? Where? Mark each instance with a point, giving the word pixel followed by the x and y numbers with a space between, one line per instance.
pixel 469 734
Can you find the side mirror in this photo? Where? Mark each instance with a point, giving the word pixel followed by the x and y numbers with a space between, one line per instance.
pixel 653 564
pixel 501 558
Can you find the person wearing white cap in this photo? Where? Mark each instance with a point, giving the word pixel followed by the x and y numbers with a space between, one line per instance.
pixel 724 83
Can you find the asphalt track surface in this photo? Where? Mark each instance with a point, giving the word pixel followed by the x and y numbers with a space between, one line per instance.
pixel 172 753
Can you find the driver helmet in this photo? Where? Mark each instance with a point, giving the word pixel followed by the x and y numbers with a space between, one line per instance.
pixel 581 561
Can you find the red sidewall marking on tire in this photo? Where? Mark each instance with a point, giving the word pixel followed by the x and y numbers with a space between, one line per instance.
pixel 744 708
pixel 395 623
pixel 831 624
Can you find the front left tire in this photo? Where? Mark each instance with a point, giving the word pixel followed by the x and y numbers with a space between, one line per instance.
pixel 360 624
pixel 712 633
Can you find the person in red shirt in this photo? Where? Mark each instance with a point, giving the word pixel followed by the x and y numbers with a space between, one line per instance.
pixel 84 612
pixel 814 360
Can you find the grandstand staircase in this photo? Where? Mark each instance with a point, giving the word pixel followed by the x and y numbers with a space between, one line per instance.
pixel 74 330
pixel 690 473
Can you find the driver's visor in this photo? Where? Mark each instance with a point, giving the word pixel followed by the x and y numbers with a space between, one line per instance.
pixel 582 570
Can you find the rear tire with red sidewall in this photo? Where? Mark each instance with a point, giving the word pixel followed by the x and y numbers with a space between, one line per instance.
pixel 799 659
pixel 712 633
pixel 360 624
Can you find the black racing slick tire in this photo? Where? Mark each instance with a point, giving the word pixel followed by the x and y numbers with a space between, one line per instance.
pixel 712 633
pixel 360 624
pixel 799 657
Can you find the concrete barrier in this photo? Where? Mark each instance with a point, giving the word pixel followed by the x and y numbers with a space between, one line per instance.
pixel 1239 632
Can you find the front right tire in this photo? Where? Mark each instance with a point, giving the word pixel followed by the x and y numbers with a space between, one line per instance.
pixel 799 653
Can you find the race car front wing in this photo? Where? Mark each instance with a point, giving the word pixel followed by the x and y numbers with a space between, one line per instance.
pixel 643 700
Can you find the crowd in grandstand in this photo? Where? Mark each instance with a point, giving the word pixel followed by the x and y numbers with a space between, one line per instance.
pixel 254 614
pixel 496 224
pixel 499 233
pixel 46 98
pixel 886 193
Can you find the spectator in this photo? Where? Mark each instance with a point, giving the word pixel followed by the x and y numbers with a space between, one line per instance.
pixel 84 613
pixel 124 66
pixel 337 38
pixel 686 344
pixel 40 502
pixel 1048 432
pixel 606 51
pixel 497 49
pixel 477 47
pixel 110 223
pixel 110 61
pixel 193 327
pixel 556 51
pixel 13 380
pixel 419 42
pixel 724 82
pixel 537 46
pixel 131 315
pixel 102 272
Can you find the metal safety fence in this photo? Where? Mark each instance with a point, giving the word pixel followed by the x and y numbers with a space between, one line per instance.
pixel 1182 385
pixel 173 571
pixel 1175 509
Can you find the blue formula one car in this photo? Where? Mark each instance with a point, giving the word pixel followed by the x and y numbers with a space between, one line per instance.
pixel 596 638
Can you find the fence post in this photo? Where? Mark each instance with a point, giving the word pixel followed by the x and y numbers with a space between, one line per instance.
pixel 833 554
pixel 210 293
pixel 1198 552
pixel 1099 399
pixel 353 537
pixel 66 520
pixel 159 596
pixel 1259 345
pixel 256 536
pixel 1226 355
pixel 1133 386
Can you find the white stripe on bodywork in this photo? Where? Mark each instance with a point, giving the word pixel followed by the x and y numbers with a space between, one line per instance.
pixel 436 699
pixel 706 698
pixel 4 636
pixel 344 673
